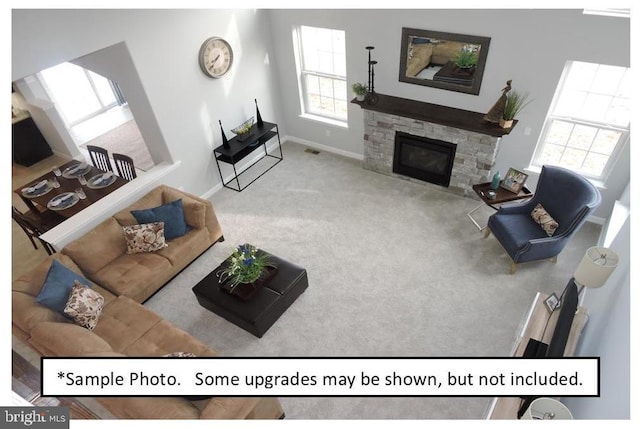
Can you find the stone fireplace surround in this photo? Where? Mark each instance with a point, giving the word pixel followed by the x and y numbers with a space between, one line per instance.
pixel 477 140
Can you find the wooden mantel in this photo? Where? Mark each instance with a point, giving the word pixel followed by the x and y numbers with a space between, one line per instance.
pixel 443 115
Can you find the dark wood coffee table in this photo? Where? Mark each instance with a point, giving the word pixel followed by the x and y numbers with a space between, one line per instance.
pixel 502 196
pixel 270 301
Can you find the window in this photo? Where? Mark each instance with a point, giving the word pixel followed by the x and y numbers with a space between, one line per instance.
pixel 322 72
pixel 589 119
pixel 79 94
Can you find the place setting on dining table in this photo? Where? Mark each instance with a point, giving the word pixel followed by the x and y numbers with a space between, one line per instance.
pixel 70 188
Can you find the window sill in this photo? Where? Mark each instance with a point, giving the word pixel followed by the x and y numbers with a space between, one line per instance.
pixel 316 118
pixel 535 170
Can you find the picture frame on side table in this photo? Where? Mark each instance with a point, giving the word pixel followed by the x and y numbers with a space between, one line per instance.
pixel 552 302
pixel 514 180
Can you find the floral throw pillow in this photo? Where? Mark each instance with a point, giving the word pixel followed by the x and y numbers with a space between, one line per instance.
pixel 146 237
pixel 84 305
pixel 544 219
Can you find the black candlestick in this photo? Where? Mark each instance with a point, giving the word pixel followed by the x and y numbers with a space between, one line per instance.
pixel 369 48
pixel 225 142
pixel 372 97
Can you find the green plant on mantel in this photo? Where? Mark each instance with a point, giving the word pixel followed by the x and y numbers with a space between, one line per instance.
pixel 516 101
pixel 359 88
pixel 466 59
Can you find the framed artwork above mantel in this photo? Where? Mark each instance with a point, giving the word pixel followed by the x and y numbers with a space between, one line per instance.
pixel 450 61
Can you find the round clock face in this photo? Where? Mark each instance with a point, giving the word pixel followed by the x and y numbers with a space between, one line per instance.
pixel 216 57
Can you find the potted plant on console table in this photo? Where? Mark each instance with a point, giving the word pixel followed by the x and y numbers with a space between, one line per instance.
pixel 516 101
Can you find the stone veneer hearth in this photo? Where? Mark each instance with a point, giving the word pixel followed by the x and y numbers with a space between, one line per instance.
pixel 477 141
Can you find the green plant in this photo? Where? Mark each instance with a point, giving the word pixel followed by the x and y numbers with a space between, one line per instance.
pixel 359 88
pixel 516 101
pixel 245 265
pixel 466 59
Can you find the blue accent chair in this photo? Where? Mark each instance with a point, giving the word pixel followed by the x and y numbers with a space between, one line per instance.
pixel 567 196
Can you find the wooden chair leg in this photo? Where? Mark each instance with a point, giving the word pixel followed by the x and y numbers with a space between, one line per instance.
pixel 514 267
pixel 554 259
pixel 487 232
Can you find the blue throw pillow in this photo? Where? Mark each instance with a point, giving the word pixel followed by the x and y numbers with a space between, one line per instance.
pixel 171 214
pixel 57 287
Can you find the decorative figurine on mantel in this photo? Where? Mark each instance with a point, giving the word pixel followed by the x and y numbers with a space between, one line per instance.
pixel 495 114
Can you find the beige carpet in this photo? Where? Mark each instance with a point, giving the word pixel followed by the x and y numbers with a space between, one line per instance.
pixel 395 269
pixel 125 139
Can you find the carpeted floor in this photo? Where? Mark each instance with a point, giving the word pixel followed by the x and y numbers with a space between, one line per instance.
pixel 125 139
pixel 395 269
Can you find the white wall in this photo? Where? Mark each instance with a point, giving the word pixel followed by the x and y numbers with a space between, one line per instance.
pixel 172 100
pixel 607 335
pixel 528 46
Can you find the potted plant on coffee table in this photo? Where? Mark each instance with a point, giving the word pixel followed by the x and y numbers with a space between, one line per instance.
pixel 516 101
pixel 360 90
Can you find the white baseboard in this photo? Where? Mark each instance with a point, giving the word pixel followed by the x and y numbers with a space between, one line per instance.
pixel 325 148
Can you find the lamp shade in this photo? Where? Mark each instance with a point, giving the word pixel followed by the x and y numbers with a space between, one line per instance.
pixel 547 409
pixel 596 266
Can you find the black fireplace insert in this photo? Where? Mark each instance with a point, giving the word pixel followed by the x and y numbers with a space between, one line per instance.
pixel 423 158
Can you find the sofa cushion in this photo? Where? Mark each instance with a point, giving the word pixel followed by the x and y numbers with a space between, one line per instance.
pixel 57 286
pixel 98 247
pixel 123 322
pixel 165 338
pixel 66 339
pixel 144 238
pixel 172 214
pixel 185 249
pixel 137 275
pixel 26 313
pixel 84 306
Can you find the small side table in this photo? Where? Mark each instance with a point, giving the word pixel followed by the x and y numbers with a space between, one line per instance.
pixel 502 196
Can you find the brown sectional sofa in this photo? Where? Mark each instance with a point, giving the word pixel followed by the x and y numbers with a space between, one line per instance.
pixel 125 327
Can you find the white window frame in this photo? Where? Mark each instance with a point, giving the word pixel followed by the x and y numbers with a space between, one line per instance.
pixel 302 86
pixel 536 163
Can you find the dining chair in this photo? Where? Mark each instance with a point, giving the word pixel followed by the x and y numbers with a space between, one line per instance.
pixel 34 225
pixel 100 158
pixel 125 167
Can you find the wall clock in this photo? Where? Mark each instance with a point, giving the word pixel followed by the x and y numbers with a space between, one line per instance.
pixel 216 57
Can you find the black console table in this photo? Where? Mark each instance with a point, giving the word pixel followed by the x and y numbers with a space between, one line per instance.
pixel 238 150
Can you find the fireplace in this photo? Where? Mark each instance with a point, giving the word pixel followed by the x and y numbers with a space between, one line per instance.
pixel 476 140
pixel 423 158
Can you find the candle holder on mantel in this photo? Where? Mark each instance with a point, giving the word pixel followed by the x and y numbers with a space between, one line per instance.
pixel 371 97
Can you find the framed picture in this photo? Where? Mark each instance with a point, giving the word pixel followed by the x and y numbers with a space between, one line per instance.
pixel 514 180
pixel 551 302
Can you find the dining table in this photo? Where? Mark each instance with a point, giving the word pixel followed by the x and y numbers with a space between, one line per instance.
pixel 42 194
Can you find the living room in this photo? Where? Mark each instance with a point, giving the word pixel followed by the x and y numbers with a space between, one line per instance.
pixel 178 108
